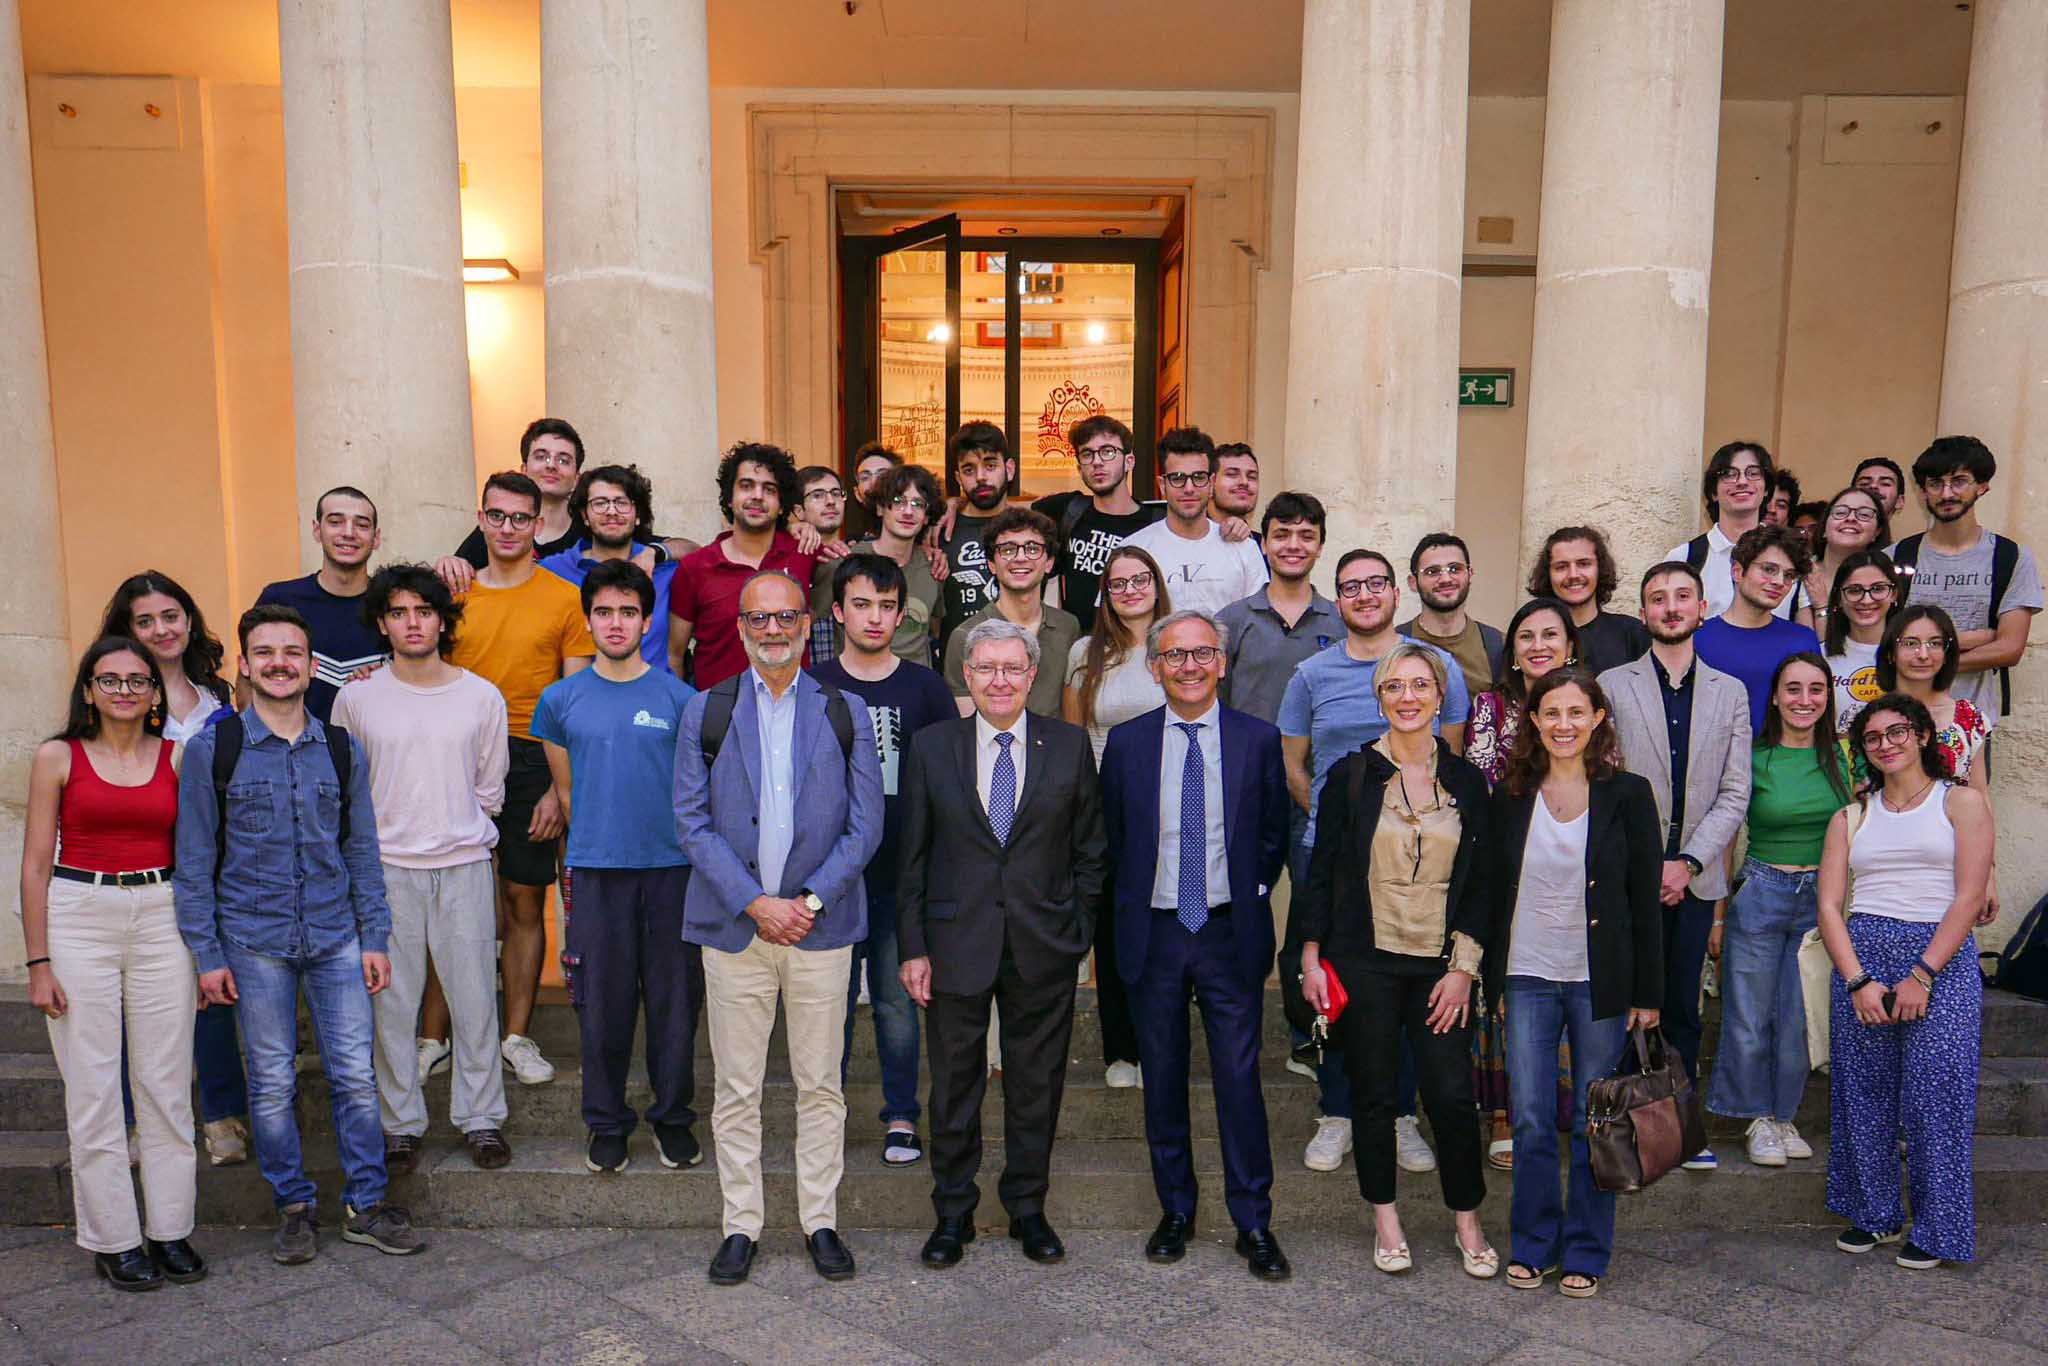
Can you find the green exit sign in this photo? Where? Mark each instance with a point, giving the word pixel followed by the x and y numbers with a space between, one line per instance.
pixel 1486 388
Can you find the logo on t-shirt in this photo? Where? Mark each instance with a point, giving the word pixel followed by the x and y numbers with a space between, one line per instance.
pixel 888 722
pixel 1090 555
pixel 644 717
pixel 1862 684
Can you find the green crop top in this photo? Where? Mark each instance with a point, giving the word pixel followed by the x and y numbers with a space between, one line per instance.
pixel 1790 804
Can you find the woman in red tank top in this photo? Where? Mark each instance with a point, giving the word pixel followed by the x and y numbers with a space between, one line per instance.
pixel 103 946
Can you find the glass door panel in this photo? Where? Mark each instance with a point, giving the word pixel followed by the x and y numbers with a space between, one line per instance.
pixel 1076 352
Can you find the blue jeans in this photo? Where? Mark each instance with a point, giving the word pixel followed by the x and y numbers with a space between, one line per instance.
pixel 1760 1070
pixel 896 1040
pixel 342 1024
pixel 1546 1227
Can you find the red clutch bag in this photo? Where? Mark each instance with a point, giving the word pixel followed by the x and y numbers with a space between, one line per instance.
pixel 1339 998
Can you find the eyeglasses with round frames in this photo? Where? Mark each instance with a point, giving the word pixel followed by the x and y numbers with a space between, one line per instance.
pixel 1443 571
pixel 622 503
pixel 787 618
pixel 1900 734
pixel 1131 583
pixel 1913 645
pixel 1018 550
pixel 520 521
pixel 1100 455
pixel 1376 585
pixel 1408 687
pixel 1866 592
pixel 1860 516
pixel 1743 474
pixel 909 501
pixel 1204 655
pixel 1962 481
pixel 113 685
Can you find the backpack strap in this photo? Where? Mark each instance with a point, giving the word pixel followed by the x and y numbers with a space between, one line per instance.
pixel 1906 554
pixel 1071 515
pixel 342 756
pixel 721 697
pixel 2005 558
pixel 1696 551
pixel 227 752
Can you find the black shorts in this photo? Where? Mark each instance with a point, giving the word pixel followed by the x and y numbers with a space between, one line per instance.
pixel 530 863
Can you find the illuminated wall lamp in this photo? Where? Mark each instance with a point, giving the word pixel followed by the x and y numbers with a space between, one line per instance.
pixel 494 270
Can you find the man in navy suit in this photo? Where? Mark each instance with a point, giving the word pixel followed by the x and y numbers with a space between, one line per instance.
pixel 1194 796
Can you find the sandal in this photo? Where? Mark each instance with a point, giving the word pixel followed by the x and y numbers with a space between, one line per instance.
pixel 1392 1260
pixel 1482 1265
pixel 1579 1292
pixel 1500 1154
pixel 1522 1276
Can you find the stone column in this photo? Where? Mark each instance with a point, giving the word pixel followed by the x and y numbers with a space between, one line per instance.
pixel 1994 378
pixel 1618 366
pixel 626 196
pixel 1372 370
pixel 36 665
pixel 380 363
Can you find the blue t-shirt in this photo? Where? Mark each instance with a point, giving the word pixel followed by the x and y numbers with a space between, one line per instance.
pixel 621 739
pixel 1330 701
pixel 342 641
pixel 900 705
pixel 1752 654
pixel 575 564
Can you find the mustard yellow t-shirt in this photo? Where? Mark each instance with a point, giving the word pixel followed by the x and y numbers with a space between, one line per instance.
pixel 518 638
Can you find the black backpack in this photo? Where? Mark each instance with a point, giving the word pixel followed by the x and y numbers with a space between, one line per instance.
pixel 720 698
pixel 2022 965
pixel 228 738
pixel 1696 551
pixel 2005 558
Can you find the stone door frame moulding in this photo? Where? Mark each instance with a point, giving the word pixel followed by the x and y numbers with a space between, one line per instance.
pixel 1218 157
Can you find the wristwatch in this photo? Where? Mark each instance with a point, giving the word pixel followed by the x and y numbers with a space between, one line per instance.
pixel 811 901
pixel 1689 861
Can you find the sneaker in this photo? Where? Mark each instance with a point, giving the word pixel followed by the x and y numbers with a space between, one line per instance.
pixel 1766 1149
pixel 1857 1241
pixel 1122 1076
pixel 1411 1150
pixel 900 1147
pixel 1795 1146
pixel 1300 1068
pixel 606 1153
pixel 227 1142
pixel 435 1055
pixel 1702 1161
pixel 522 1055
pixel 676 1146
pixel 1325 1152
pixel 401 1153
pixel 1710 978
pixel 383 1226
pixel 298 1236
pixel 1915 1258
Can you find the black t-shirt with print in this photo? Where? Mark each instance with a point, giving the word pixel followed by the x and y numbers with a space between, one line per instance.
pixel 1086 552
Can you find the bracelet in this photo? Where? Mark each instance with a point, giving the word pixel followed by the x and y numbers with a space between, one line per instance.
pixel 1861 982
pixel 1922 964
pixel 35 962
pixel 1926 983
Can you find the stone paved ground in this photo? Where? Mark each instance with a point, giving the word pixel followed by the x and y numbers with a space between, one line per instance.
pixel 612 1297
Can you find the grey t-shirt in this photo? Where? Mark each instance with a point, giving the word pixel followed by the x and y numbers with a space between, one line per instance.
pixel 1961 586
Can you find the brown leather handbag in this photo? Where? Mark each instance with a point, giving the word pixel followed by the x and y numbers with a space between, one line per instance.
pixel 1641 1123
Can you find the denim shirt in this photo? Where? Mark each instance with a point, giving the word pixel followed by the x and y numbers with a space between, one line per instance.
pixel 287 887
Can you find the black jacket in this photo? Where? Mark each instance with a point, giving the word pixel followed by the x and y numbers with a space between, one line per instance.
pixel 1335 905
pixel 1624 866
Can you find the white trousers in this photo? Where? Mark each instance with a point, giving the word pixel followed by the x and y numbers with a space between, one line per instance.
pixel 740 990
pixel 117 954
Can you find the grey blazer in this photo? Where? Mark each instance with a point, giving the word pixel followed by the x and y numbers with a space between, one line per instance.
pixel 1716 765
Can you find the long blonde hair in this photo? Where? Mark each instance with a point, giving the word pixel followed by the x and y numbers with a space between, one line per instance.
pixel 1112 640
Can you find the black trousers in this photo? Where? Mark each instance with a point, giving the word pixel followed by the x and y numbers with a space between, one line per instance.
pixel 1687 927
pixel 1037 1025
pixel 1383 1005
pixel 624 948
pixel 1112 997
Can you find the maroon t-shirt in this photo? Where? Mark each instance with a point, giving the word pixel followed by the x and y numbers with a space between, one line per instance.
pixel 706 593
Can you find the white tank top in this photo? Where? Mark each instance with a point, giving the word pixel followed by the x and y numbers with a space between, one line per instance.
pixel 1548 937
pixel 1905 862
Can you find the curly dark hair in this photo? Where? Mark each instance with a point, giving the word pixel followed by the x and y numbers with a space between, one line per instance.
pixel 627 477
pixel 773 458
pixel 1918 717
pixel 1758 539
pixel 1608 576
pixel 423 583
pixel 1024 519
pixel 899 480
pixel 204 654
pixel 1529 761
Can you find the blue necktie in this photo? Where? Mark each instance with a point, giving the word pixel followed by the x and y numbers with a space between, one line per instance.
pixel 1002 790
pixel 1194 835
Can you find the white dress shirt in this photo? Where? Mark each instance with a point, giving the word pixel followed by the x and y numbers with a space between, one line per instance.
pixel 1173 757
pixel 985 751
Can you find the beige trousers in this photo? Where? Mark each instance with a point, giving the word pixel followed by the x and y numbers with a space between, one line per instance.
pixel 117 954
pixel 740 990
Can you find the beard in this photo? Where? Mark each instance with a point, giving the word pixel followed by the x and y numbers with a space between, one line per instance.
pixel 1430 600
pixel 986 499
pixel 1663 635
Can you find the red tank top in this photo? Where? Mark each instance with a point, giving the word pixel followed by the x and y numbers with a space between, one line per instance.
pixel 105 828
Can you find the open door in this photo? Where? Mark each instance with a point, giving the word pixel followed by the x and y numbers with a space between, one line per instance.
pixel 900 311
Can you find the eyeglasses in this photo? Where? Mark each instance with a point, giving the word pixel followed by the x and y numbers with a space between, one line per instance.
pixel 1913 645
pixel 988 671
pixel 1444 571
pixel 1409 687
pixel 1960 482
pixel 1100 455
pixel 1198 479
pixel 619 504
pixel 829 495
pixel 1204 655
pixel 1747 474
pixel 787 619
pixel 566 459
pixel 113 685
pixel 1772 573
pixel 1860 516
pixel 1018 550
pixel 1901 734
pixel 499 517
pixel 1135 583
pixel 1376 585
pixel 910 501
pixel 1866 592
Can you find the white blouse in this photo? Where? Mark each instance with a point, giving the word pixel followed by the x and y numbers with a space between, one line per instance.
pixel 1128 691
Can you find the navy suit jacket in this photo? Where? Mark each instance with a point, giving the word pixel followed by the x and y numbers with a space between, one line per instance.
pixel 1255 813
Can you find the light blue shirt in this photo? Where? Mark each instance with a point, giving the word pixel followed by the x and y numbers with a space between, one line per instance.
pixel 1173 758
pixel 778 778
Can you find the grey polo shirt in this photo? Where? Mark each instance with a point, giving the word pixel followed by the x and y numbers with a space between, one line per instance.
pixel 1265 651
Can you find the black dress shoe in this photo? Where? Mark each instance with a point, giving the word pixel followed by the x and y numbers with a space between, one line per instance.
pixel 178 1260
pixel 1261 1251
pixel 1041 1244
pixel 130 1270
pixel 1169 1242
pixel 829 1255
pixel 944 1247
pixel 733 1260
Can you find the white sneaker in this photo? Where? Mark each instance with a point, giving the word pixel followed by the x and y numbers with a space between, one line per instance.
pixel 1325 1152
pixel 1123 1075
pixel 227 1142
pixel 434 1056
pixel 522 1055
pixel 1766 1149
pixel 1794 1145
pixel 1411 1150
pixel 1300 1068
pixel 1710 979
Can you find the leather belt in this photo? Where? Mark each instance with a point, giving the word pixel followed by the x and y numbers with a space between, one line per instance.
pixel 141 878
